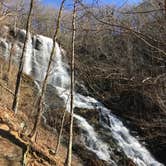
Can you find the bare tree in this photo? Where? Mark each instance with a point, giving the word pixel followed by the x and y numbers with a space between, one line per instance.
pixel 10 61
pixel 3 17
pixel 61 129
pixel 20 70
pixel 44 84
pixel 4 14
pixel 126 28
pixel 69 154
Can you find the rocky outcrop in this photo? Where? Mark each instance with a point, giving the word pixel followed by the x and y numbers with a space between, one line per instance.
pixel 145 119
pixel 93 117
pixel 52 98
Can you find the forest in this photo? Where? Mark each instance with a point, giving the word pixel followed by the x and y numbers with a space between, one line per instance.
pixel 82 83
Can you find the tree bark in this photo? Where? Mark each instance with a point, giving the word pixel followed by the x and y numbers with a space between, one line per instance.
pixel 69 154
pixel 21 64
pixel 10 62
pixel 60 133
pixel 44 84
pixel 165 8
pixel 61 129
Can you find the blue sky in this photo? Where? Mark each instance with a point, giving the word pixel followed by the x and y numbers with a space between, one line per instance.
pixel 54 3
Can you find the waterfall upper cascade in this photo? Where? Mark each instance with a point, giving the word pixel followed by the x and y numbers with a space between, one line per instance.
pixel 36 60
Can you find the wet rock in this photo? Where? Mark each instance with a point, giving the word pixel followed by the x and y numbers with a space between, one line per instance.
pixel 38 44
pixel 117 155
pixel 20 35
pixel 4 47
pixel 81 89
pixel 52 99
pixel 89 158
pixel 144 118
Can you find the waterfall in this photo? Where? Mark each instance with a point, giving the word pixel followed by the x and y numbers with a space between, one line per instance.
pixel 28 59
pixel 130 145
pixel 92 141
pixel 37 56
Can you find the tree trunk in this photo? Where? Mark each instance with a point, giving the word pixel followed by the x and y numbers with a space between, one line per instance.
pixel 69 154
pixel 44 85
pixel 20 70
pixel 61 130
pixel 165 8
pixel 10 62
pixel 13 44
pixel 60 133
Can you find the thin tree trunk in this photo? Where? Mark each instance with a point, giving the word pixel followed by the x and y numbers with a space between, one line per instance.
pixel 69 154
pixel 60 133
pixel 20 70
pixel 165 8
pixel 16 17
pixel 10 62
pixel 61 130
pixel 44 85
pixel 12 46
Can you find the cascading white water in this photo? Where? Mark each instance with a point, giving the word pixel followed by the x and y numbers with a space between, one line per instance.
pixel 36 63
pixel 28 59
pixel 42 47
pixel 4 48
pixel 90 138
pixel 131 147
